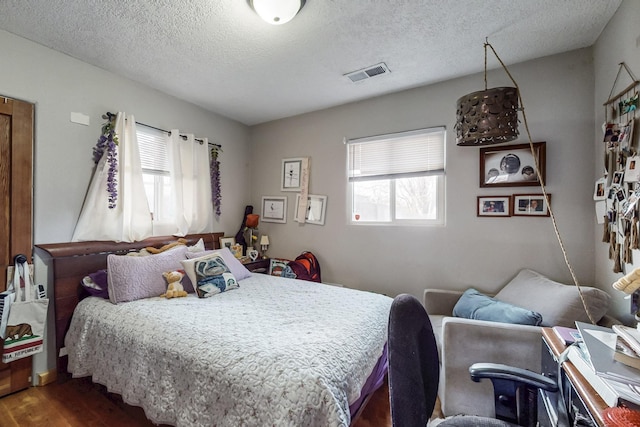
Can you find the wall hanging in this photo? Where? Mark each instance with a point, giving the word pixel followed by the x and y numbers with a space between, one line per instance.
pixel 617 192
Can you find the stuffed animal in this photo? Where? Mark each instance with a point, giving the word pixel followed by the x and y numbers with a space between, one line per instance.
pixel 174 285
pixel 629 283
pixel 152 250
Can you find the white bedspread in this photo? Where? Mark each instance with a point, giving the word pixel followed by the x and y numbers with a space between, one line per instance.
pixel 275 352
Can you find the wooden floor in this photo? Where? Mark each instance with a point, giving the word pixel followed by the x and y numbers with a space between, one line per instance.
pixel 78 402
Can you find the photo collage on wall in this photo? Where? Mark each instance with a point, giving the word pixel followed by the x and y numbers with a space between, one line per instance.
pixel 617 192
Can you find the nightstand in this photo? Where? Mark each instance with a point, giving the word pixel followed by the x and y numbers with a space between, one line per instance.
pixel 258 266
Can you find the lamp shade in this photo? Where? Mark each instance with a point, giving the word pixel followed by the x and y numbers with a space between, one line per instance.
pixel 264 240
pixel 277 12
pixel 487 117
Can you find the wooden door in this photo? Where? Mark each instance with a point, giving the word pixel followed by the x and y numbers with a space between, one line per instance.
pixel 16 206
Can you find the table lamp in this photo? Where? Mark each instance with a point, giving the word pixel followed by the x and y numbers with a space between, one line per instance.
pixel 264 245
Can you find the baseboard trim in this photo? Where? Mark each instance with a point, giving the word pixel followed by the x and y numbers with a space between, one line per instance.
pixel 47 377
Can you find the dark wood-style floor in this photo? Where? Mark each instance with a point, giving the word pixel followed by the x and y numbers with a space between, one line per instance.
pixel 79 402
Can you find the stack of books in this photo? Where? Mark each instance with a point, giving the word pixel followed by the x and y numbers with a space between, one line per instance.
pixel 594 355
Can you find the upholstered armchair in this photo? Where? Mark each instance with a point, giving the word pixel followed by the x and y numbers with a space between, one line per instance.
pixel 465 341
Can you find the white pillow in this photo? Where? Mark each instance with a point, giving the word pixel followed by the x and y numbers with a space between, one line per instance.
pixel 559 304
pixel 237 269
pixel 213 276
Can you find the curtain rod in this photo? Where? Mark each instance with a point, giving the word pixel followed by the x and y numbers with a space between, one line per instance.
pixel 111 115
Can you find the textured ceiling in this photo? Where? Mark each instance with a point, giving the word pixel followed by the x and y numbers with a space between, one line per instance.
pixel 218 54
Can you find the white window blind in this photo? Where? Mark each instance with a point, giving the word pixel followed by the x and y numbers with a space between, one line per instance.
pixel 399 155
pixel 153 151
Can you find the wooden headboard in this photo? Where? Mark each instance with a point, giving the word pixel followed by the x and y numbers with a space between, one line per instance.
pixel 71 262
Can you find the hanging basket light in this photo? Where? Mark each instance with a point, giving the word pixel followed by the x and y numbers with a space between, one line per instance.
pixel 487 117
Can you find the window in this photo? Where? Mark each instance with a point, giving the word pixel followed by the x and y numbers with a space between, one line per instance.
pixel 155 173
pixel 397 178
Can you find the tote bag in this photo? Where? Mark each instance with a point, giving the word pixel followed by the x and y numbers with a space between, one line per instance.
pixel 6 299
pixel 27 316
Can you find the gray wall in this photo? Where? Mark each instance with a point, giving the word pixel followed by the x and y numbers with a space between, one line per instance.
pixel 485 252
pixel 58 85
pixel 558 93
pixel 619 42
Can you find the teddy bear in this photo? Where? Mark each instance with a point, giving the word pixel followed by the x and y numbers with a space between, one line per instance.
pixel 174 285
pixel 153 251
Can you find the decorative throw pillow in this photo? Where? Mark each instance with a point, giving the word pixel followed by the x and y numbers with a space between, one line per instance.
pixel 132 277
pixel 559 304
pixel 97 284
pixel 475 305
pixel 213 276
pixel 235 266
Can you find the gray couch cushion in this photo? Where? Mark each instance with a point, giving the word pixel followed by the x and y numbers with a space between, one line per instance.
pixel 559 304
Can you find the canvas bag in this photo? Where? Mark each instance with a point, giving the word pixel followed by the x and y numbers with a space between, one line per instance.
pixel 6 299
pixel 27 316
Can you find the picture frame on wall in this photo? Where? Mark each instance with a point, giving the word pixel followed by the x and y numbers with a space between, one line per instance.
pixel 316 209
pixel 512 165
pixel 530 205
pixel 494 206
pixel 291 177
pixel 274 209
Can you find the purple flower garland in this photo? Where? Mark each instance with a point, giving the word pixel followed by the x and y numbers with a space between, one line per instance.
pixel 214 170
pixel 108 142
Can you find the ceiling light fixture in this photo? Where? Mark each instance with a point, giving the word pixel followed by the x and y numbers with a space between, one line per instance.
pixel 489 116
pixel 277 12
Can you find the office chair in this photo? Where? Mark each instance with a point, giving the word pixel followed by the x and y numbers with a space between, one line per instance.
pixel 414 371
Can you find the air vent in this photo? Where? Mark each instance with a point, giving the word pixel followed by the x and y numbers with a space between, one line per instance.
pixel 369 72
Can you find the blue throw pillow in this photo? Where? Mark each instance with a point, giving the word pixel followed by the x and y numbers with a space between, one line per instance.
pixel 475 305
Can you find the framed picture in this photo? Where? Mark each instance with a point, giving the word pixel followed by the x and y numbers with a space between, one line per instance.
pixel 276 266
pixel 512 165
pixel 274 209
pixel 530 205
pixel 227 242
pixel 316 208
pixel 291 179
pixel 494 205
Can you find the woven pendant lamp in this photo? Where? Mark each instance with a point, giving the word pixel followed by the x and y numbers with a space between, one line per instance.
pixel 489 116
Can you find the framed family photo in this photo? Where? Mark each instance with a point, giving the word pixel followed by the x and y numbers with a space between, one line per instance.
pixel 512 165
pixel 494 206
pixel 530 205
pixel 274 209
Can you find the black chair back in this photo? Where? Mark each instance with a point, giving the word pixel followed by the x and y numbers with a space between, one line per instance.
pixel 414 368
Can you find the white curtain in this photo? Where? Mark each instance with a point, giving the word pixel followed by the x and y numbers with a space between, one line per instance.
pixel 191 183
pixel 130 220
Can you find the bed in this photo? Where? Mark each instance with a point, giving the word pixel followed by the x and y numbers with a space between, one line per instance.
pixel 274 351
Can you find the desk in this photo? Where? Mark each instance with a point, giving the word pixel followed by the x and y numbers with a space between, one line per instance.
pixel 586 404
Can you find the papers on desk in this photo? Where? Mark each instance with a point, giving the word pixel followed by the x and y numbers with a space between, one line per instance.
pixel 611 379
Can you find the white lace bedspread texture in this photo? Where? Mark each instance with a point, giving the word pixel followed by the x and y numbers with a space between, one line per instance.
pixel 275 352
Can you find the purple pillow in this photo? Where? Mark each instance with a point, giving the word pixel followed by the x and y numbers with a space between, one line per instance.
pixel 135 277
pixel 96 284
